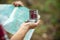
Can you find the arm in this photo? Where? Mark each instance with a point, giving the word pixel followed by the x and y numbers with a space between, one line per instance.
pixel 20 33
pixel 25 27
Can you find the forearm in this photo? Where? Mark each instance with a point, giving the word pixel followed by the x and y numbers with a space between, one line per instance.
pixel 20 33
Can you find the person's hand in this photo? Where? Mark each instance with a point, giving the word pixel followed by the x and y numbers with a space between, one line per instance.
pixel 17 3
pixel 24 28
pixel 31 25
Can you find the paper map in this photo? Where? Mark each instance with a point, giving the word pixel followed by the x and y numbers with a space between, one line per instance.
pixel 12 17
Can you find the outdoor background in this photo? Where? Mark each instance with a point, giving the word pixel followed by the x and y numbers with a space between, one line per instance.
pixel 49 10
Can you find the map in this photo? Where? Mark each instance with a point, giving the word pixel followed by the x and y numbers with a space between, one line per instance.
pixel 12 17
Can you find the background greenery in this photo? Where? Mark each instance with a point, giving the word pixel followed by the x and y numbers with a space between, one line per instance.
pixel 49 10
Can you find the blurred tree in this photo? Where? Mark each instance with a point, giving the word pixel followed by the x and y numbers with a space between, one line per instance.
pixel 3 1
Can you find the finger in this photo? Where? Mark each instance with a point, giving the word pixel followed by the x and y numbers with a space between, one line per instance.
pixel 33 23
pixel 38 17
pixel 17 3
pixel 37 23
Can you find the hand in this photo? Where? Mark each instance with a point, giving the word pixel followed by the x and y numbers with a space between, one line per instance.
pixel 31 25
pixel 17 3
pixel 24 28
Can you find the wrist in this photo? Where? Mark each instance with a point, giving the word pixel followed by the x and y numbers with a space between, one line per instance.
pixel 26 27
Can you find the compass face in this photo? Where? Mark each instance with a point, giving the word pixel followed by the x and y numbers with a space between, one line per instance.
pixel 13 18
